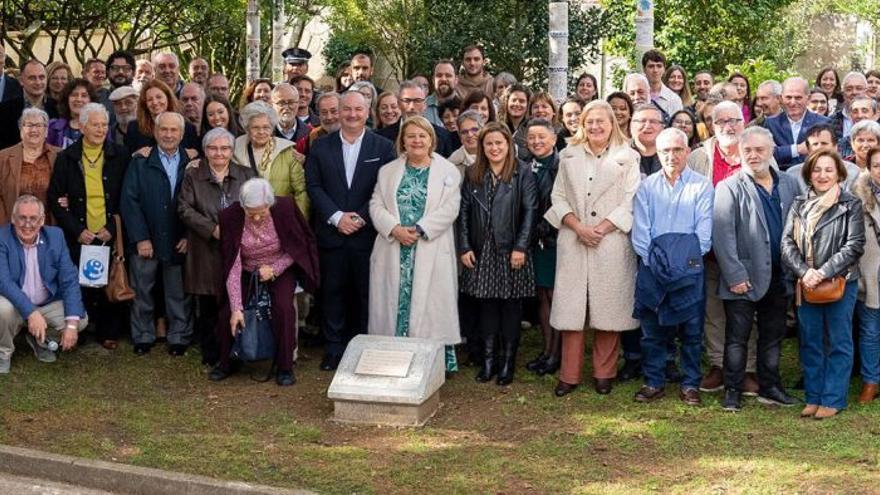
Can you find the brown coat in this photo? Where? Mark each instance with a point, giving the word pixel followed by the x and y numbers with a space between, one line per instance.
pixel 199 209
pixel 10 171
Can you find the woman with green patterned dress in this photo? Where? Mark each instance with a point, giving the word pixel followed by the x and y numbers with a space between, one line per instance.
pixel 413 268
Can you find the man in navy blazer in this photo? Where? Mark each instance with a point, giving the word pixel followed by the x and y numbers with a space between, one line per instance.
pixel 789 129
pixel 39 285
pixel 341 172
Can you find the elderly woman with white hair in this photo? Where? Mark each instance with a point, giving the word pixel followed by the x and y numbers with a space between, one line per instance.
pixel 25 168
pixel 88 177
pixel 267 237
pixel 272 158
pixel 863 136
pixel 209 186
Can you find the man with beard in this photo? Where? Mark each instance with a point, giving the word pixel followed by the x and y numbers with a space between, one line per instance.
pixel 703 82
pixel 445 82
pixel 143 73
pixel 124 101
pixel 285 100
pixel 362 65
pixel 192 97
pixel 120 72
pixel 473 59
pixel 328 112
pixel 768 97
pixel 198 71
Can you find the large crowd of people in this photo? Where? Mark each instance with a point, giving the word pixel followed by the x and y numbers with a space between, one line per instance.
pixel 683 212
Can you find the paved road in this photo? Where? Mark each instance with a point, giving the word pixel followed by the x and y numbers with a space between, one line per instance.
pixel 14 485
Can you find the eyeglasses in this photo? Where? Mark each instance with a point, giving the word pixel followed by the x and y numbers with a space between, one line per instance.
pixel 469 131
pixel 727 122
pixel 287 103
pixel 653 122
pixel 215 149
pixel 33 125
pixel 28 221
pixel 120 68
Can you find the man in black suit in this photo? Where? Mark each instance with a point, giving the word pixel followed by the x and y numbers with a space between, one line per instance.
pixel 413 101
pixel 341 172
pixel 33 80
pixel 9 86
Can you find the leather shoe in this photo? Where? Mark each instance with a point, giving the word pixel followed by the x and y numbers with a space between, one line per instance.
pixel 549 367
pixel 825 412
pixel 563 389
pixel 869 393
pixel 649 394
pixel 603 386
pixel 690 396
pixel 330 362
pixel 732 400
pixel 219 373
pixel 285 378
pixel 141 349
pixel 750 385
pixel 631 369
pixel 776 397
pixel 110 344
pixel 535 364
pixel 713 381
pixel 177 349
pixel 809 411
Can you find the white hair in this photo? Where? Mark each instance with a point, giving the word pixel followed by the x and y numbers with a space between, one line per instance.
pixel 169 54
pixel 89 108
pixel 727 106
pixel 672 133
pixel 215 134
pixel 256 193
pixel 284 85
pixel 33 112
pixel 28 199
pixel 176 115
pixel 774 85
pixel 256 109
pixel 854 75
pixel 198 87
pixel 865 126
pixel 757 131
pixel 633 77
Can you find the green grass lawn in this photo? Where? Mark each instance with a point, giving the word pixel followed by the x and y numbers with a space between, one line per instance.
pixel 162 412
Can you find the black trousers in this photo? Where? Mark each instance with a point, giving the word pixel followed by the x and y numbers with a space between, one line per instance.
pixel 740 315
pixel 345 288
pixel 500 320
pixel 207 313
pixel 109 318
pixel 469 322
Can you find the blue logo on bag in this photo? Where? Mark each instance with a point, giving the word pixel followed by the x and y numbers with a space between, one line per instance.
pixel 93 270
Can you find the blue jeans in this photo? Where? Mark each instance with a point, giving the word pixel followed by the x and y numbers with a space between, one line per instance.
pixel 869 342
pixel 655 343
pixel 826 349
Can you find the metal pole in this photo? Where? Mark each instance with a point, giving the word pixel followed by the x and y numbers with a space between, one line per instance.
pixel 253 40
pixel 558 66
pixel 278 22
pixel 644 27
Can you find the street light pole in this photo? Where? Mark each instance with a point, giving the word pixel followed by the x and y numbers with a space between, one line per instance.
pixel 253 40
pixel 644 27
pixel 558 66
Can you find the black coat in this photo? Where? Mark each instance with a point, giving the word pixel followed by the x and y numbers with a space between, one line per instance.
pixel 149 211
pixel 544 232
pixel 445 145
pixel 10 112
pixel 838 242
pixel 68 180
pixel 512 213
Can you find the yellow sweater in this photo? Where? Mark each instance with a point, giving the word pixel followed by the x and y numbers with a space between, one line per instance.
pixel 93 165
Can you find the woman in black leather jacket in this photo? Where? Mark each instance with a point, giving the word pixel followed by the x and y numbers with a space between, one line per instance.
pixel 824 238
pixel 498 206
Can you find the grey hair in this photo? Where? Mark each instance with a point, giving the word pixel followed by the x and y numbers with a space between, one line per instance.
pixel 799 80
pixel 256 109
pixel 775 86
pixel 726 105
pixel 865 97
pixel 757 131
pixel 865 126
pixel 25 199
pixel 504 77
pixel 356 86
pixel 409 84
pixel 635 76
pixel 33 112
pixel 256 193
pixel 854 75
pixel 284 85
pixel 470 115
pixel 89 108
pixel 176 115
pixel 648 107
pixel 331 94
pixel 215 134
pixel 672 132
pixel 170 54
pixel 195 85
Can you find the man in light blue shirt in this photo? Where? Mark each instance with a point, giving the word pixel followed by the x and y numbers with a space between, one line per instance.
pixel 674 199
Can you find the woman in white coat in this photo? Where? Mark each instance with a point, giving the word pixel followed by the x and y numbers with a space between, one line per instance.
pixel 596 268
pixel 413 268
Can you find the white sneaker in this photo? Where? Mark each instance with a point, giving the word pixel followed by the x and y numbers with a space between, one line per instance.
pixel 4 365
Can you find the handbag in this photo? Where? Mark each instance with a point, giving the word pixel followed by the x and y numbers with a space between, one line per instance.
pixel 256 341
pixel 117 289
pixel 828 291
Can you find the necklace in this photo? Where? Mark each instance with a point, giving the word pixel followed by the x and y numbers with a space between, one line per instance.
pixel 92 163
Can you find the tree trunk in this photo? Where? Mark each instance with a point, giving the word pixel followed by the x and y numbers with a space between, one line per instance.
pixel 253 40
pixel 644 27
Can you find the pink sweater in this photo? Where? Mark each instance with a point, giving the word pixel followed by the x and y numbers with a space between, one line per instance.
pixel 259 246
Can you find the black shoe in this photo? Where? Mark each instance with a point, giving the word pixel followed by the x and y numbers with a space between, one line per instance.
pixel 285 378
pixel 487 369
pixel 536 364
pixel 219 373
pixel 141 349
pixel 649 394
pixel 673 375
pixel 603 386
pixel 330 362
pixel 631 369
pixel 508 365
pixel 551 366
pixel 177 349
pixel 563 389
pixel 732 400
pixel 775 396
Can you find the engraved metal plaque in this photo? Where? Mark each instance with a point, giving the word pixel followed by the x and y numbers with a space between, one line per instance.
pixel 384 363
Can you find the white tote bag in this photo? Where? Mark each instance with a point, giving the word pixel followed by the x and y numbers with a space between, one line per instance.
pixel 94 266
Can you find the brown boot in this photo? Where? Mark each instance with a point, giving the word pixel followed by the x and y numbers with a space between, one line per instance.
pixel 825 412
pixel 750 385
pixel 869 393
pixel 713 381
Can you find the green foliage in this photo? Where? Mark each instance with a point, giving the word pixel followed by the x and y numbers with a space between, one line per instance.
pixel 340 47
pixel 758 70
pixel 412 34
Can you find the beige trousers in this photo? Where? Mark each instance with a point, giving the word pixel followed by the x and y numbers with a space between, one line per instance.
pixel 11 323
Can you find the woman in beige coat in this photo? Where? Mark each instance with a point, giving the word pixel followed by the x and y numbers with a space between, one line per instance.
pixel 596 269
pixel 414 268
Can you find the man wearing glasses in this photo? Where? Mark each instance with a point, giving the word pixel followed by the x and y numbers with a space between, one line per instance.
pixel 413 101
pixel 790 128
pixel 39 285
pixel 285 100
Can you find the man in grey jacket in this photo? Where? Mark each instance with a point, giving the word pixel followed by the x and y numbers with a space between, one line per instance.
pixel 748 220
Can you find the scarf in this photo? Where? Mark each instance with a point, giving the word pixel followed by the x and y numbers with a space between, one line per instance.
pixel 812 210
pixel 265 158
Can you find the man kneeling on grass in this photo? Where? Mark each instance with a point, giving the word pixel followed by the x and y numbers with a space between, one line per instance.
pixel 39 285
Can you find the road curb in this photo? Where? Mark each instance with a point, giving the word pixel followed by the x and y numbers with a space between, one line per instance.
pixel 122 478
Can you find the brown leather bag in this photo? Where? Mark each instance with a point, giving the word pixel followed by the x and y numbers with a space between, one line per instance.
pixel 828 291
pixel 117 288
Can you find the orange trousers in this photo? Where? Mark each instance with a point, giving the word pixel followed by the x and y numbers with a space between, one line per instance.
pixel 606 347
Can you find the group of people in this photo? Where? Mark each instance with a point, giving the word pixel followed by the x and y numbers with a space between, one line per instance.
pixel 661 219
